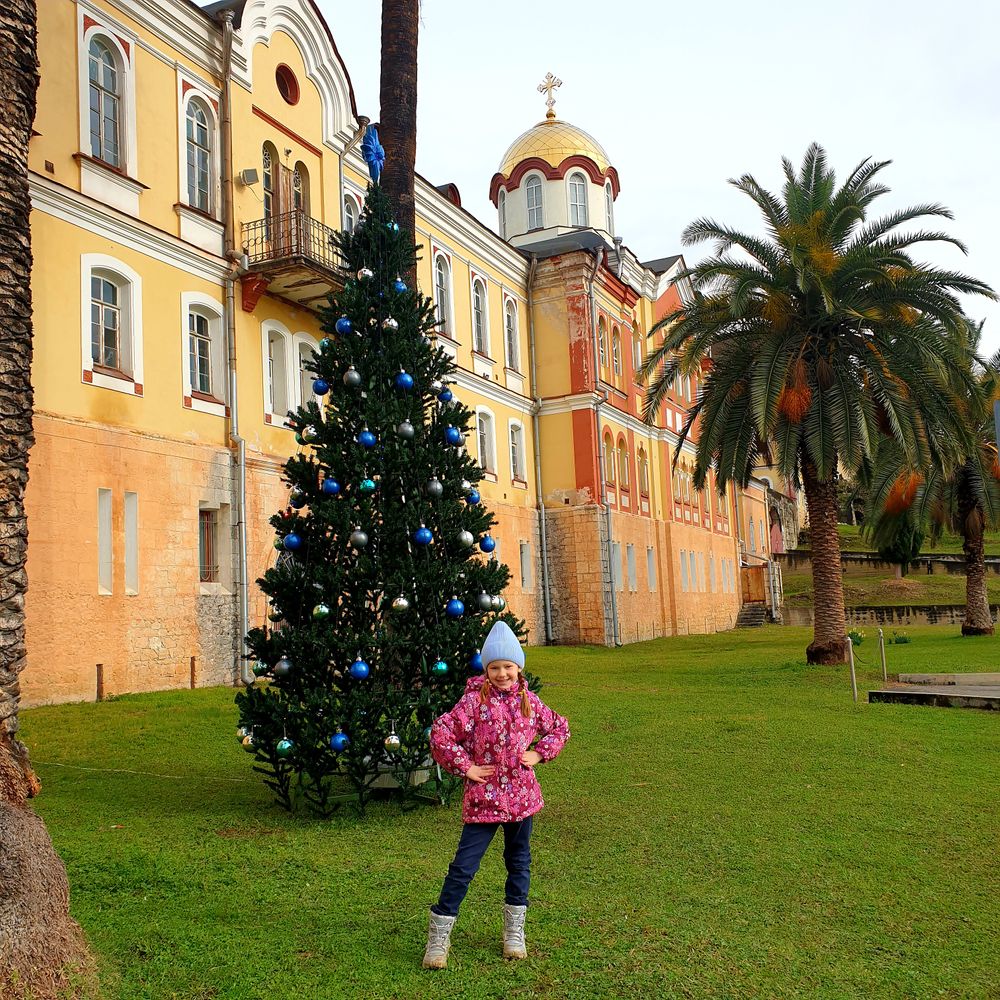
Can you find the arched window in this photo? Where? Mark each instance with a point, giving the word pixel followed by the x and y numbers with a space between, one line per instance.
pixel 643 464
pixel 510 335
pixel 602 341
pixel 206 375
pixel 616 350
pixel 609 209
pixel 533 191
pixel 199 155
pixel 623 464
pixel 753 537
pixel 109 340
pixel 276 397
pixel 442 293
pixel 516 452
pixel 304 348
pixel 269 173
pixel 105 74
pixel 502 208
pixel 300 188
pixel 479 340
pixel 637 353
pixel 609 459
pixel 577 200
pixel 350 214
pixel 486 439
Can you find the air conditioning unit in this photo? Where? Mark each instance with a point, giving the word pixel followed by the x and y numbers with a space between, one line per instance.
pixel 249 177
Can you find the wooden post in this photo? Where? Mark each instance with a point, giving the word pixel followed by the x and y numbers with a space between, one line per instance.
pixel 854 677
pixel 100 682
pixel 881 649
pixel 192 673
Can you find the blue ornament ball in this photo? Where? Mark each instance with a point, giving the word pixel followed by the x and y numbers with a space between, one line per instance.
pixel 454 608
pixel 399 286
pixel 476 662
pixel 292 542
pixel 446 395
pixel 452 435
pixel 339 742
pixel 366 439
pixel 297 499
pixel 440 668
pixel 344 326
pixel 331 487
pixel 472 497
pixel 404 381
pixel 320 386
pixel 325 344
pixel 367 486
pixel 359 670
pixel 423 536
pixel 487 543
pixel 393 227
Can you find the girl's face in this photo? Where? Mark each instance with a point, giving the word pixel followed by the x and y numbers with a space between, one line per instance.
pixel 502 674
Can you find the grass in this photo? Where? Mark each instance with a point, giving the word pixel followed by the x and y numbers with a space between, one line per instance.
pixel 864 587
pixel 723 823
pixel 851 540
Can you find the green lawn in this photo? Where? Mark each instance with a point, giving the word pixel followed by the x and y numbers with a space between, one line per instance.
pixel 851 540
pixel 724 823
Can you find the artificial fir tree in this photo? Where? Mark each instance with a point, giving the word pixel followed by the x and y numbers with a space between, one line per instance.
pixel 384 589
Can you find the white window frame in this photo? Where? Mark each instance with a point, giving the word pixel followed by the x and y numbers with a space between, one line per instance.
pixel 512 357
pixel 487 462
pixel 502 213
pixel 189 91
pixel 752 536
pixel 616 350
pixel 642 471
pixel 299 398
pixel 267 328
pixel 518 471
pixel 609 207
pixel 581 208
pixel 602 342
pixel 212 308
pixel 530 183
pixel 349 206
pixel 225 579
pixel 445 316
pixel 624 462
pixel 610 458
pixel 478 281
pixel 131 306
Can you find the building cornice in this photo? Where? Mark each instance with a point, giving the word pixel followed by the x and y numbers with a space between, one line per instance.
pixel 469 382
pixel 78 210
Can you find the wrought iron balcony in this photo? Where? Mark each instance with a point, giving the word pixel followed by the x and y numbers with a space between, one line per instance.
pixel 292 255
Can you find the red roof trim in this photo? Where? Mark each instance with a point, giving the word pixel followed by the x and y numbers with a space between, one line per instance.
pixel 585 163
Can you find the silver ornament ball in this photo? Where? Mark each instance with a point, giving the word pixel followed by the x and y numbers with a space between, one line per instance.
pixel 484 602
pixel 466 539
pixel 365 274
pixel 434 488
pixel 390 324
pixel 359 538
pixel 352 378
pixel 283 667
pixel 401 604
pixel 495 604
pixel 405 430
pixel 393 742
pixel 436 386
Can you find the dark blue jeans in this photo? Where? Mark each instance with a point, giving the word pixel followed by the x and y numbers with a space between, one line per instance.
pixel 476 837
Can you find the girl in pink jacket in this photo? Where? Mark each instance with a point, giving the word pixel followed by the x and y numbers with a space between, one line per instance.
pixel 487 738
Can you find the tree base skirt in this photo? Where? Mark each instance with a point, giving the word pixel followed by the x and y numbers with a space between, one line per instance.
pixel 826 653
pixel 976 629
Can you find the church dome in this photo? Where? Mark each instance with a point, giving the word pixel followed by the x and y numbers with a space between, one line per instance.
pixel 553 140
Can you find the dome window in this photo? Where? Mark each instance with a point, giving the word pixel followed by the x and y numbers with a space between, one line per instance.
pixel 536 219
pixel 502 204
pixel 577 200
pixel 609 208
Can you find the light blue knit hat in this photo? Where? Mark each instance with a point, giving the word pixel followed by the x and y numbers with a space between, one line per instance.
pixel 502 644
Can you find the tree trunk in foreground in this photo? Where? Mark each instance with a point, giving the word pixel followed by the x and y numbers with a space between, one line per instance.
pixel 398 109
pixel 830 624
pixel 40 946
pixel 978 618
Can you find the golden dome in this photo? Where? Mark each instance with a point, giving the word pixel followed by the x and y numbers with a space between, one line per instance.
pixel 553 140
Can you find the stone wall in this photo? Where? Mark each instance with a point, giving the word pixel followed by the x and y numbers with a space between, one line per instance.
pixel 885 615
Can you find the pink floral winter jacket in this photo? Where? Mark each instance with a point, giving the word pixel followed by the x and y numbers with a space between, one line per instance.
pixel 497 733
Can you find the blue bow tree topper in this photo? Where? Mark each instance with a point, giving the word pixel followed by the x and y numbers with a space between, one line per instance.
pixel 372 152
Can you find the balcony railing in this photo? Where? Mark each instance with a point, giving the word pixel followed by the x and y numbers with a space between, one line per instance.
pixel 290 235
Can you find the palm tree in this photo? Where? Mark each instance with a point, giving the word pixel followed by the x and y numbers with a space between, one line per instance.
pixel 38 941
pixel 824 335
pixel 398 105
pixel 964 499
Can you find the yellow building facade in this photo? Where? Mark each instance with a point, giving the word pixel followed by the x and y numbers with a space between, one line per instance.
pixel 188 169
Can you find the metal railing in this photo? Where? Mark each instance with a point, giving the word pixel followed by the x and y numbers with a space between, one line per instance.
pixel 289 235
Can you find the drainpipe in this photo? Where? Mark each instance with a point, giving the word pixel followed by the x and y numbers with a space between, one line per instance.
pixel 620 260
pixel 536 407
pixel 598 254
pixel 363 123
pixel 237 443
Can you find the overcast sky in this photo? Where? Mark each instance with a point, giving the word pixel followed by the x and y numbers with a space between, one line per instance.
pixel 683 96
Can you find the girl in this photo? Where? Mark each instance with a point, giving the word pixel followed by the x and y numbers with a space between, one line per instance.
pixel 486 737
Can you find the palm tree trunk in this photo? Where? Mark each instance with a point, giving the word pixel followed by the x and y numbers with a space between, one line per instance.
pixel 39 942
pixel 398 105
pixel 978 618
pixel 830 624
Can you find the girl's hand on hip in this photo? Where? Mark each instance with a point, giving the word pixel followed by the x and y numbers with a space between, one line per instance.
pixel 480 772
pixel 530 758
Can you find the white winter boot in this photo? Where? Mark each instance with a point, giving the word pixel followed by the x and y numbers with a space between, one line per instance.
pixel 513 931
pixel 438 941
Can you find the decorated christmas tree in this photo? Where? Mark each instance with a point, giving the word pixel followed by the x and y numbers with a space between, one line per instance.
pixel 384 587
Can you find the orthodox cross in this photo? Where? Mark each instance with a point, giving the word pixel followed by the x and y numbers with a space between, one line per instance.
pixel 546 87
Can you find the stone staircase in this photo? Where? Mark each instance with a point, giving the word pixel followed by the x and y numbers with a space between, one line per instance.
pixel 752 616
